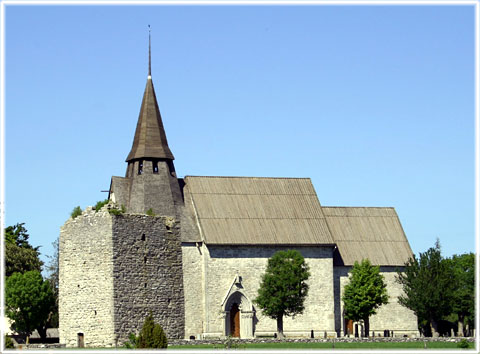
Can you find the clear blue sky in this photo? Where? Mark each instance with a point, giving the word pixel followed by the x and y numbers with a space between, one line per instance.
pixel 374 103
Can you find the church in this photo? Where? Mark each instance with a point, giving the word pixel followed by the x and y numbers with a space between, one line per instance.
pixel 192 251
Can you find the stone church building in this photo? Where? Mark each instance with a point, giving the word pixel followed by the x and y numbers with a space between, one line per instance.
pixel 192 252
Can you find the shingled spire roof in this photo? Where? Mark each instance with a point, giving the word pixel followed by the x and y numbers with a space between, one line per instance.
pixel 150 140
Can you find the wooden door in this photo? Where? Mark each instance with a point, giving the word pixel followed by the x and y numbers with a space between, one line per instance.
pixel 235 321
pixel 349 326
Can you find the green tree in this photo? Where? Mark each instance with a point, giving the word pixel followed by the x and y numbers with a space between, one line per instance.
pixel 52 269
pixel 365 293
pixel 151 335
pixel 428 287
pixel 283 288
pixel 17 234
pixel 20 255
pixel 463 267
pixel 28 302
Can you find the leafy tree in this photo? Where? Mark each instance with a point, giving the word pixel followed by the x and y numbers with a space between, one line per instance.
pixel 428 287
pixel 283 288
pixel 52 269
pixel 28 302
pixel 17 234
pixel 463 267
pixel 365 293
pixel 20 255
pixel 151 335
pixel 21 260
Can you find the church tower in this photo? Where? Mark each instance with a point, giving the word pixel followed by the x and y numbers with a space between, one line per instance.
pixel 150 181
pixel 123 262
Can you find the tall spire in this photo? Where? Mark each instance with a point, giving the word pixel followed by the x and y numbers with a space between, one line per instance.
pixel 149 54
pixel 150 141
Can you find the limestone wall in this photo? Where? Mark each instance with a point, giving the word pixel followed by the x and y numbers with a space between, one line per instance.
pixel 147 274
pixel 193 278
pixel 86 280
pixel 223 264
pixel 392 316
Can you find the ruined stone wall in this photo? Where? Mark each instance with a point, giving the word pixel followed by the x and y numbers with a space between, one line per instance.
pixel 147 274
pixel 392 316
pixel 86 280
pixel 224 263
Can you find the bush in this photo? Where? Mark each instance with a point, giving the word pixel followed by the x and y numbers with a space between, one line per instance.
pixel 100 204
pixel 115 211
pixel 150 212
pixel 76 212
pixel 132 342
pixel 9 343
pixel 151 335
pixel 463 344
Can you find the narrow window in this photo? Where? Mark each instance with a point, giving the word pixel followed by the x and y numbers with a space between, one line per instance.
pixel 145 259
pixel 155 166
pixel 140 167
pixel 143 237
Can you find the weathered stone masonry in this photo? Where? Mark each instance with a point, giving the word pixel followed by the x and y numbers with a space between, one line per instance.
pixel 147 274
pixel 114 270
pixel 86 280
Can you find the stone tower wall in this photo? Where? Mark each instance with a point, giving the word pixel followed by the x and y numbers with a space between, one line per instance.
pixel 86 280
pixel 147 274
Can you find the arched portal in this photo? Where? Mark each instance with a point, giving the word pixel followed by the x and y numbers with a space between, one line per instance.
pixel 235 321
pixel 238 316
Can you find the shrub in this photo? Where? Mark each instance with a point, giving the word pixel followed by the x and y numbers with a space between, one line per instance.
pixel 132 341
pixel 100 204
pixel 150 212
pixel 115 211
pixel 151 335
pixel 76 212
pixel 9 343
pixel 463 344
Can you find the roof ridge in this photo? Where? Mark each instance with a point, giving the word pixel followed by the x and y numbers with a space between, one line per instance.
pixel 261 177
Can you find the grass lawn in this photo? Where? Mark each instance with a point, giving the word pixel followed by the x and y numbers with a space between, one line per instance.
pixel 357 345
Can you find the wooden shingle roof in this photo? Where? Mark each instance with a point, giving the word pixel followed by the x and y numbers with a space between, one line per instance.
pixel 257 211
pixel 373 233
pixel 150 141
pixel 286 211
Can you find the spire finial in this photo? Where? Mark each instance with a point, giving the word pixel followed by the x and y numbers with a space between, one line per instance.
pixel 149 54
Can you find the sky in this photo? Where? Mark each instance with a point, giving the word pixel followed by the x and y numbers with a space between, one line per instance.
pixel 375 104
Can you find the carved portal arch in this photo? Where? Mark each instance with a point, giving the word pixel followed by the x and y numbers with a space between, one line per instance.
pixel 243 312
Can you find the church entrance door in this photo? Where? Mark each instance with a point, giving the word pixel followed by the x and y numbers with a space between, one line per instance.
pixel 349 327
pixel 235 321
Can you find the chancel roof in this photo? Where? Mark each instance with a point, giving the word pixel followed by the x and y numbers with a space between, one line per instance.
pixel 368 232
pixel 257 211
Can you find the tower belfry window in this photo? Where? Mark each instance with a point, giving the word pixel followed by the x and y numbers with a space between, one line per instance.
pixel 155 166
pixel 140 167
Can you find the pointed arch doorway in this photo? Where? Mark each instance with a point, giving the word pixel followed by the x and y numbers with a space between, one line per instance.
pixel 235 321
pixel 237 312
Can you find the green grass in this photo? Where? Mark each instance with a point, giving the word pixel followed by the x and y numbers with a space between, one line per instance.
pixel 357 345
